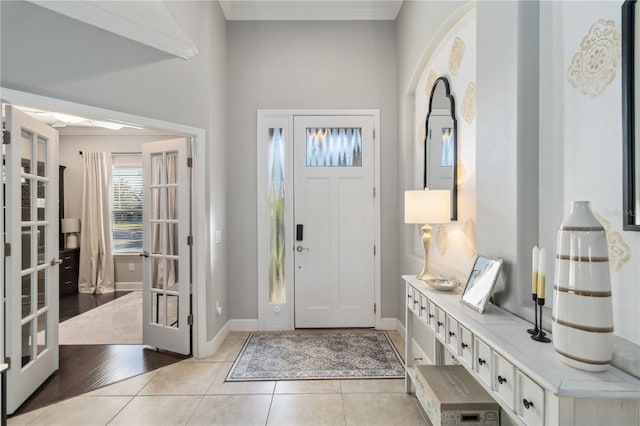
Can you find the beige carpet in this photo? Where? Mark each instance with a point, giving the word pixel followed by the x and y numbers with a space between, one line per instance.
pixel 118 322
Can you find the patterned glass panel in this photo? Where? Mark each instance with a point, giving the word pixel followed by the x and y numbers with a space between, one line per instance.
pixel 334 147
pixel 277 289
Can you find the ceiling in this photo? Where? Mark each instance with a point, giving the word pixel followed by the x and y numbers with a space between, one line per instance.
pixel 310 10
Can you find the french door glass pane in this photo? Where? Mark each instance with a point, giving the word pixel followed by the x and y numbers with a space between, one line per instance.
pixel 26 188
pixel 334 147
pixel 42 332
pixel 277 288
pixel 41 153
pixel 27 342
pixel 26 296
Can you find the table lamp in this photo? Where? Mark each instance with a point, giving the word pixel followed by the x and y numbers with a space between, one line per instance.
pixel 71 227
pixel 425 207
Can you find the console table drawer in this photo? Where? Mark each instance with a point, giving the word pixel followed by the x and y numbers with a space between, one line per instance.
pixel 411 293
pixel 431 318
pixel 504 380
pixel 483 361
pixel 530 400
pixel 441 317
pixel 424 309
pixel 452 334
pixel 466 346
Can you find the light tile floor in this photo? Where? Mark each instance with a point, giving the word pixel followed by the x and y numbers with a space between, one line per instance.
pixel 193 392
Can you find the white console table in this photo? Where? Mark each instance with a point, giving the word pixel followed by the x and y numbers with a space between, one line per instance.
pixel 524 376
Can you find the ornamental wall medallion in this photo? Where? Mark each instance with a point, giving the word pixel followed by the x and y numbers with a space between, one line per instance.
pixel 470 238
pixel 443 240
pixel 593 67
pixel 619 251
pixel 430 80
pixel 456 55
pixel 469 103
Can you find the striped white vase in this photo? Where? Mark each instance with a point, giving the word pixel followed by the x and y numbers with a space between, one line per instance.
pixel 582 325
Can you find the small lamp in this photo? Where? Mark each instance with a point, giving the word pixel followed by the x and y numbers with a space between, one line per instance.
pixel 425 207
pixel 71 227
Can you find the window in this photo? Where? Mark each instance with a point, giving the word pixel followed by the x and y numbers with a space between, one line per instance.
pixel 127 204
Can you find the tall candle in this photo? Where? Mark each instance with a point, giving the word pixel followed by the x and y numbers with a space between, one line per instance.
pixel 534 270
pixel 542 272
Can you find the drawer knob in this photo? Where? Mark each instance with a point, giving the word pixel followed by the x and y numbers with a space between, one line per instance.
pixel 464 345
pixel 451 334
pixel 481 361
pixel 415 302
pixel 422 308
pixel 527 404
pixel 502 380
pixel 440 324
pixel 430 315
pixel 409 296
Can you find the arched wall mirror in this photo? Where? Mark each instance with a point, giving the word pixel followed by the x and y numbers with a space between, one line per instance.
pixel 440 145
pixel 630 117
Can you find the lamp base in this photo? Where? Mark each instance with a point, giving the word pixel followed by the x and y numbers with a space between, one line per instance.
pixel 72 240
pixel 426 273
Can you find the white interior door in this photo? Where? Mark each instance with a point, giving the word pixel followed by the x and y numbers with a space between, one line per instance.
pixel 166 273
pixel 334 218
pixel 31 263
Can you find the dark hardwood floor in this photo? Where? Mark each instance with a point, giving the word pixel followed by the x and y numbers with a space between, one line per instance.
pixel 84 368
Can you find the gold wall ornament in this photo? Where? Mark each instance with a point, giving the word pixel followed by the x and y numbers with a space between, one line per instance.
pixel 430 80
pixel 469 102
pixel 470 238
pixel 443 240
pixel 422 133
pixel 456 55
pixel 593 67
pixel 461 175
pixel 619 251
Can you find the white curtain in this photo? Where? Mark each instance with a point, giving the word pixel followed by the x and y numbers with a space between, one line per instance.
pixel 164 207
pixel 96 259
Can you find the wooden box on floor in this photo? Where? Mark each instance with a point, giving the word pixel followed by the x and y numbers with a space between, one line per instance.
pixel 450 396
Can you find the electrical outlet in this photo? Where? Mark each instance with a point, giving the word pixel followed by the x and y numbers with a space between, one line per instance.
pixel 218 236
pixel 132 267
pixel 218 307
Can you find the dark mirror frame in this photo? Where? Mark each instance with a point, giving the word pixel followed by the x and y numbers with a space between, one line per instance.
pixel 630 221
pixel 454 186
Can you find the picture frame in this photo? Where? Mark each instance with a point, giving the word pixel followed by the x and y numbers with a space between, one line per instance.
pixel 630 113
pixel 482 279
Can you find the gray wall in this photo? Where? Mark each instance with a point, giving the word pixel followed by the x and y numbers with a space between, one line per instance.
pixel 305 65
pixel 48 54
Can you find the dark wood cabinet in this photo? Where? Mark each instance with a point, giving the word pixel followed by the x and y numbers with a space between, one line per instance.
pixel 69 269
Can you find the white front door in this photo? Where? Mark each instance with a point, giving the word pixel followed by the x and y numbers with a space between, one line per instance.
pixel 31 256
pixel 166 276
pixel 334 221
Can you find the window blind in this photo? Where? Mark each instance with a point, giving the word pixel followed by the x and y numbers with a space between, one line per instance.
pixel 127 208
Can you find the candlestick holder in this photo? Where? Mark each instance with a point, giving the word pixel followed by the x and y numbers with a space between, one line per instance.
pixel 534 330
pixel 541 336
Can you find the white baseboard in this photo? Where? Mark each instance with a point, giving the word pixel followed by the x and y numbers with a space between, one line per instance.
pixel 243 324
pixel 212 346
pixel 128 286
pixel 418 352
pixel 387 324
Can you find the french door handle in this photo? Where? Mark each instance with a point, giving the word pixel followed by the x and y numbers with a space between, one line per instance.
pixel 144 253
pixel 55 261
pixel 300 249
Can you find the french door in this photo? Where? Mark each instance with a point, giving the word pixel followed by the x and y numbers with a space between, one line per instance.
pixel 166 276
pixel 334 219
pixel 31 254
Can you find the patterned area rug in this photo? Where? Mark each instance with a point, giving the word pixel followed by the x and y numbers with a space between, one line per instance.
pixel 308 355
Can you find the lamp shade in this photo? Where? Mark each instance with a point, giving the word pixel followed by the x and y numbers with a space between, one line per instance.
pixel 427 206
pixel 70 225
